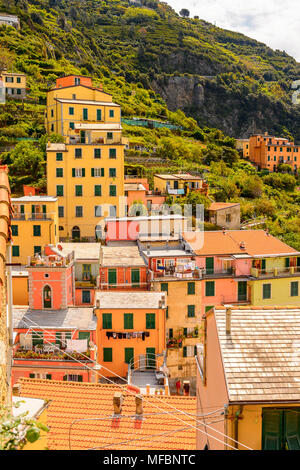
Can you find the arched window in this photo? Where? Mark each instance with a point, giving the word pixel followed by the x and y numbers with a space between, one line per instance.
pixel 47 297
pixel 76 233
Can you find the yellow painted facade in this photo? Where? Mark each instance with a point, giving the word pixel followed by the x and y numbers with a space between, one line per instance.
pixel 280 292
pixel 41 443
pixel 180 326
pixel 34 225
pixel 86 173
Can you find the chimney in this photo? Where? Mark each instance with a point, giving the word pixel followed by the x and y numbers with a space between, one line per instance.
pixel 118 402
pixel 242 246
pixel 228 320
pixel 139 405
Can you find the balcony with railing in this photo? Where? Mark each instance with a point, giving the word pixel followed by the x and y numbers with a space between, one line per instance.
pixel 49 352
pixel 275 272
pixel 149 373
pixel 51 261
pixel 197 273
pixel 32 216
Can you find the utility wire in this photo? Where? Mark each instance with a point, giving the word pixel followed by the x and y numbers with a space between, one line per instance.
pixel 154 396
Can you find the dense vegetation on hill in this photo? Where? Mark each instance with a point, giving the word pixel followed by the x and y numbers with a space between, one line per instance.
pixel 156 65
pixel 221 78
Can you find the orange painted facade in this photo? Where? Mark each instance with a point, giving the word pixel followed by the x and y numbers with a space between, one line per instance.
pixel 267 152
pixel 72 80
pixel 123 278
pixel 115 353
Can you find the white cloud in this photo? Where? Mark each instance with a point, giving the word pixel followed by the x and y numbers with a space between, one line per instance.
pixel 273 22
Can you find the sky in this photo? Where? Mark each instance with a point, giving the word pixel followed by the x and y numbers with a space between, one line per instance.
pixel 273 22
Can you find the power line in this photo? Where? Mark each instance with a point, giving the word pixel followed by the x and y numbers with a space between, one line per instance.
pixel 154 396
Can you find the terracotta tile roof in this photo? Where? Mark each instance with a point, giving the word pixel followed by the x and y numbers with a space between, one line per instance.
pixel 256 242
pixel 261 356
pixel 71 401
pixel 218 206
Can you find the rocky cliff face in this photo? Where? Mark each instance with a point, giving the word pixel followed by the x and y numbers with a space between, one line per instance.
pixel 236 114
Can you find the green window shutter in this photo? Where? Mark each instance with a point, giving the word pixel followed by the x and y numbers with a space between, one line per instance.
pixel 113 190
pixel 59 173
pixel 294 289
pixel 112 172
pixel 84 335
pixel 107 354
pixel 59 190
pixel 191 288
pixel 98 190
pixel 85 114
pixel 164 287
pixel 292 429
pixel 71 111
pixel 210 288
pixel 191 311
pixel 14 230
pixel 97 153
pixel 135 277
pixel 23 210
pixel 37 338
pixel 59 157
pixel 112 153
pixel 272 429
pixel 78 190
pixel 93 171
pixel 170 333
pixel 150 321
pixel 99 114
pixel 102 171
pixel 48 376
pixel 209 265
pixel 112 276
pixel 242 291
pixel 72 125
pixel 129 354
pixel 266 291
pixel 128 321
pixel 150 358
pixel 37 250
pixel 15 250
pixel 65 378
pixel 111 113
pixel 73 172
pixel 287 262
pixel 195 350
pixel 185 332
pixel 184 351
pixel 80 378
pixel 31 376
pixel 33 209
pixel 167 312
pixel 36 230
pixel 83 172
pixel 106 321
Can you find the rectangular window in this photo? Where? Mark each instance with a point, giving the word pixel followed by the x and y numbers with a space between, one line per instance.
pixel 97 188
pixel 107 354
pixel 294 289
pixel 98 211
pixel 72 125
pixel 280 429
pixel 59 157
pixel 61 211
pixel 150 321
pixel 112 172
pixel 78 211
pixel 164 287
pixel 112 153
pixel 18 79
pixel 86 297
pixel 111 113
pixel 112 190
pixel 59 172
pixel 112 211
pixel 97 153
pixel 135 277
pixel 109 135
pixel 191 311
pixel 71 111
pixel 210 288
pixel 106 321
pixel 97 172
pixel 128 321
pixel 59 190
pixel 15 250
pixel 78 172
pixel 18 91
pixel 191 288
pixel 99 114
pixel 112 276
pixel 266 291
pixel 78 153
pixel 85 114
pixel 15 230
pixel 78 190
pixel 36 230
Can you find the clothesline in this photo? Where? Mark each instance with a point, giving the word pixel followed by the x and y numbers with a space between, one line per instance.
pixel 132 334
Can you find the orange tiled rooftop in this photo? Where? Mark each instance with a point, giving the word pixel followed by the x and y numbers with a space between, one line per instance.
pixel 70 401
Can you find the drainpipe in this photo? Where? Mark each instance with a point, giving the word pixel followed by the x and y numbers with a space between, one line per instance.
pixel 237 416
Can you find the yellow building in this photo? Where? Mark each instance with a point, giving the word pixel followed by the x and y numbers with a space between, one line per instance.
pixel 14 84
pixel 86 172
pixel 242 145
pixel 248 373
pixel 179 184
pixel 34 225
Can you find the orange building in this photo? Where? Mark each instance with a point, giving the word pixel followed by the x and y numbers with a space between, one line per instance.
pixel 267 152
pixel 130 331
